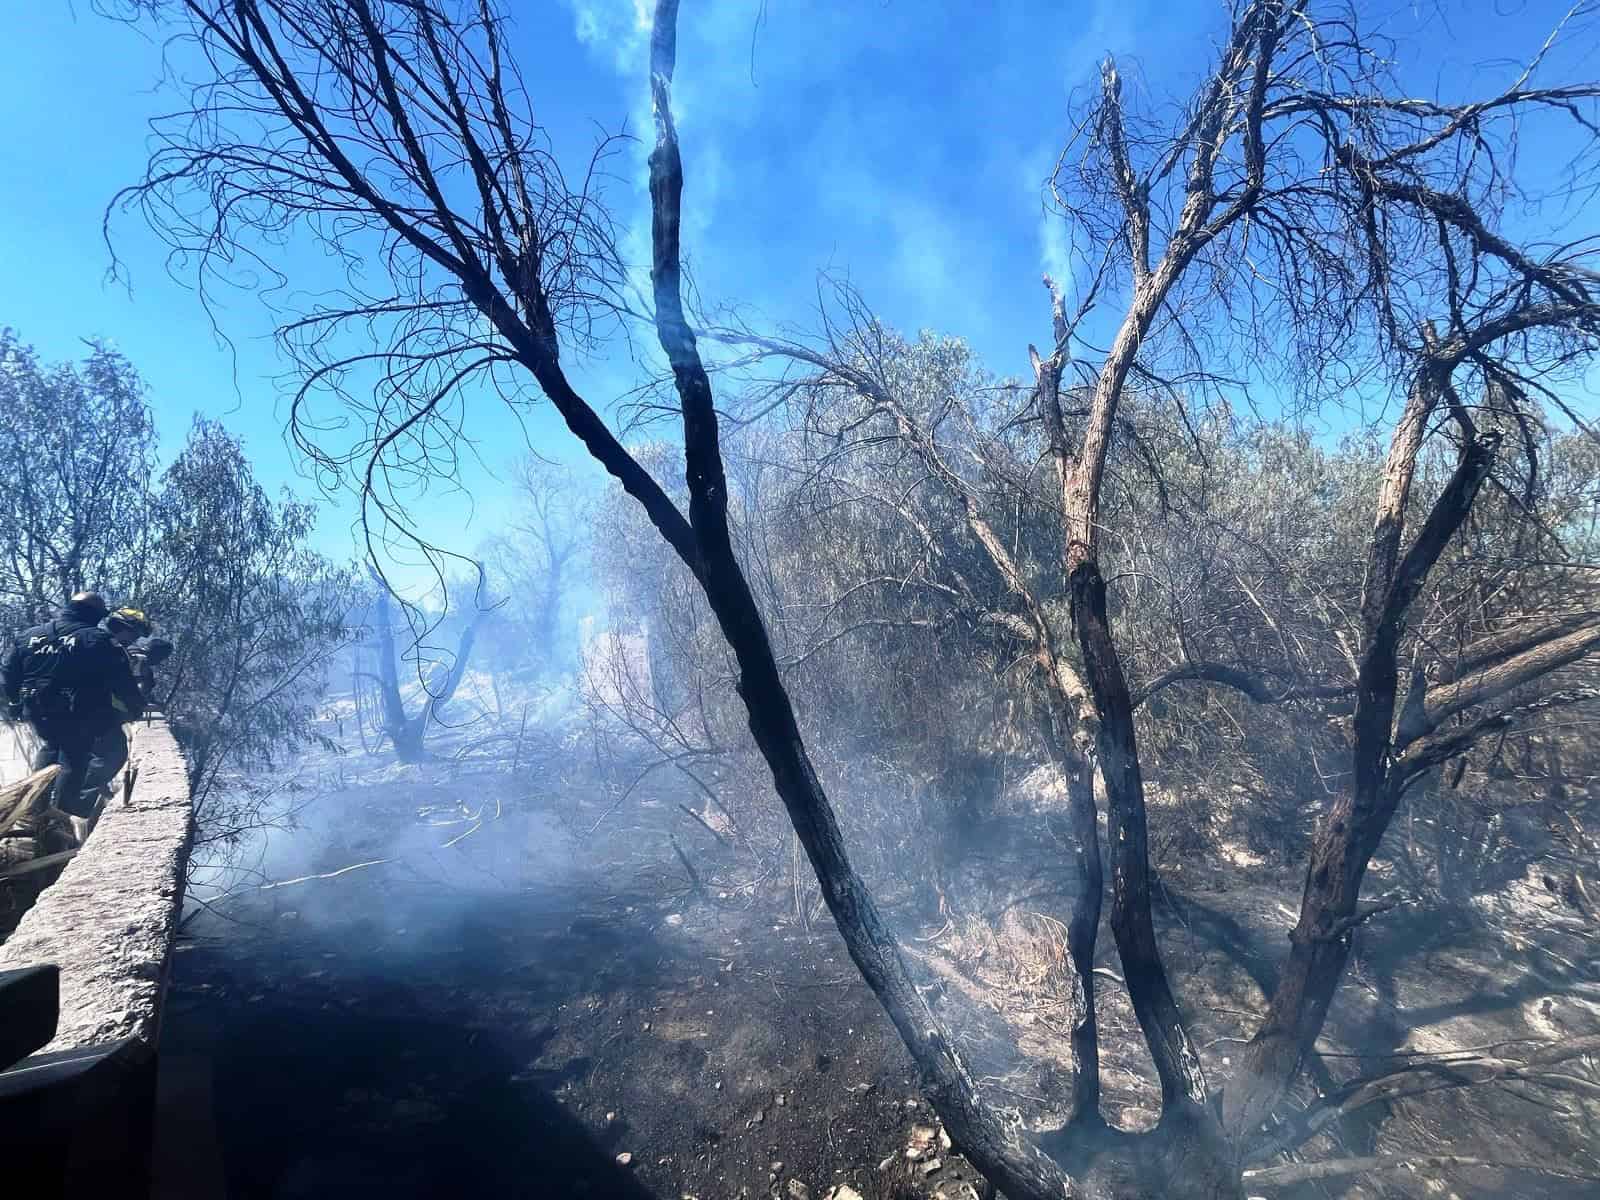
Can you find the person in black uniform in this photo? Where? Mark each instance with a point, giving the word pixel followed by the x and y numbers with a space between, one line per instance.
pixel 72 682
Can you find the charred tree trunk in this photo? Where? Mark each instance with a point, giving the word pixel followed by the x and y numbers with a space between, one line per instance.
pixel 1190 1128
pixel 404 734
pixel 1185 1157
pixel 1348 837
pixel 1194 1154
pixel 998 1147
pixel 1083 922
pixel 1183 1085
pixel 1083 928
pixel 408 734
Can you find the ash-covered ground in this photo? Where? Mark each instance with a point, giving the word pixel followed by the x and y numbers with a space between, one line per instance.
pixel 522 994
pixel 456 978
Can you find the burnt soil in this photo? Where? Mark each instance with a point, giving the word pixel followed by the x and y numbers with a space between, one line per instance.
pixel 411 1030
pixel 507 1012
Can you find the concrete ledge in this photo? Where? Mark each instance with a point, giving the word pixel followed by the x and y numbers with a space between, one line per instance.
pixel 109 921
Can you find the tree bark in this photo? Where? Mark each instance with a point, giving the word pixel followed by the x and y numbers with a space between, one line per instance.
pixel 1508 643
pixel 1083 923
pixel 1537 659
pixel 403 734
pixel 1083 929
pixel 1183 1085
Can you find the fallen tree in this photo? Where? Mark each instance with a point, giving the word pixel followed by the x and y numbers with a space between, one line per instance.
pixel 25 798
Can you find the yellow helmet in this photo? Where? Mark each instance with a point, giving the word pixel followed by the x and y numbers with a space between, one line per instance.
pixel 133 618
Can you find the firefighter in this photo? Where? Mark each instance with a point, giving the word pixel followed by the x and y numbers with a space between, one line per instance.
pixel 71 681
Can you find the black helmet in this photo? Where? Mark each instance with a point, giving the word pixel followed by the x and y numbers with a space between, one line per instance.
pixel 157 650
pixel 86 606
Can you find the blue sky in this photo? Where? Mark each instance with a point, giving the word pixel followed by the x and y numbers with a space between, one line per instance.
pixel 902 141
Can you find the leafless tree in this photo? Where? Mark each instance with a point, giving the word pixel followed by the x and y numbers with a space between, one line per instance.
pixel 440 677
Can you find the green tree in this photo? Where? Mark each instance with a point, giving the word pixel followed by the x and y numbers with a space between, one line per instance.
pixel 252 610
pixel 76 449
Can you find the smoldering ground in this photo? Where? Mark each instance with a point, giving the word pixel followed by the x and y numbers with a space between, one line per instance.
pixel 521 984
pixel 448 976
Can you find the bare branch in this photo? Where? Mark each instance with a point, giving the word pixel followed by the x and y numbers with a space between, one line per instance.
pixel 1525 664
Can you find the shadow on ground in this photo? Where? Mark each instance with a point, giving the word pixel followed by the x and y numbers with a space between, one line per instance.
pixel 340 1079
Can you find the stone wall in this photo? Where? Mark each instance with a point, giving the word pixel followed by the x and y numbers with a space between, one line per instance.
pixel 109 921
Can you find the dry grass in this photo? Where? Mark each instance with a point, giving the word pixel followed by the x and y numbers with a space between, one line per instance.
pixel 1022 963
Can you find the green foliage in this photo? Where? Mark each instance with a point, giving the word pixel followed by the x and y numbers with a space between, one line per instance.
pixel 76 450
pixel 223 569
pixel 253 612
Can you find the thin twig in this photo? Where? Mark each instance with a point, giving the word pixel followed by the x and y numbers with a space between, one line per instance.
pixel 326 874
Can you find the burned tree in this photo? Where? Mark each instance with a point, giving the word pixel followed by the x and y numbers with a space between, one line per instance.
pixel 1367 244
pixel 1374 227
pixel 408 732
pixel 406 131
pixel 869 388
pixel 1385 231
pixel 1300 189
